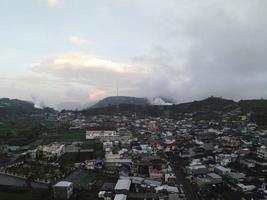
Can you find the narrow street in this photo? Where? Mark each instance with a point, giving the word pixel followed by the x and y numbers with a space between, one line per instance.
pixel 176 164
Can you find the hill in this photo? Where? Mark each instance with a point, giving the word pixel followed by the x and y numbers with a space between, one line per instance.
pixel 253 105
pixel 13 108
pixel 20 121
pixel 15 103
pixel 206 105
pixel 120 100
pixel 257 108
pixel 209 105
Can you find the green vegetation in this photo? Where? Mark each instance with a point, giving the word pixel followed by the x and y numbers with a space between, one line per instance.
pixel 253 105
pixel 19 132
pixel 257 108
pixel 68 159
pixel 96 145
pixel 36 170
pixel 84 179
pixel 67 136
pixel 25 131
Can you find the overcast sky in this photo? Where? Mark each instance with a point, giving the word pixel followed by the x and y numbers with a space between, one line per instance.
pixel 55 51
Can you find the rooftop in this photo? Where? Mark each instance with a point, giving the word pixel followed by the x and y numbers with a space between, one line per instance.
pixel 120 197
pixel 123 184
pixel 63 184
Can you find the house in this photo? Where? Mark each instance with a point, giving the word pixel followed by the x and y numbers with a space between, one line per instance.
pixel 262 152
pixel 152 125
pixel 225 159
pixel 105 195
pixel 53 150
pixel 118 162
pixel 137 180
pixel 235 176
pixel 209 179
pixel 155 173
pixel 246 188
pixel 203 181
pixel 169 177
pixel 167 188
pixel 63 190
pixel 221 170
pixel 120 197
pixel 108 134
pixel 122 186
pixel 101 133
pixel 215 178
pixel 108 187
pixel 90 164
pixel 106 191
pixel 196 169
pixel 152 183
pixel 252 126
pixel 247 163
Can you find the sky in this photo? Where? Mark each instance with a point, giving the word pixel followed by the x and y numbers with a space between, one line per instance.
pixel 64 52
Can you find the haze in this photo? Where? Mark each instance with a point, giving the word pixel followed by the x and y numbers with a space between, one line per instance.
pixel 55 51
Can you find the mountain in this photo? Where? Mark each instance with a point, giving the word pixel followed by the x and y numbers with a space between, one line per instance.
pixel 208 104
pixel 257 108
pixel 15 103
pixel 253 105
pixel 13 108
pixel 120 100
pixel 206 108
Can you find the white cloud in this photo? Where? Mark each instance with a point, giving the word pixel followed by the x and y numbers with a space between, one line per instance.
pixel 80 77
pixel 80 62
pixel 78 40
pixel 185 50
pixel 53 3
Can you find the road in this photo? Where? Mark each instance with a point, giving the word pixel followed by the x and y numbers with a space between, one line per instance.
pixel 176 164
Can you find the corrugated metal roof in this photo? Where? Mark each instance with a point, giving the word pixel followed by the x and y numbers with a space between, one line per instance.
pixel 63 184
pixel 120 197
pixel 123 184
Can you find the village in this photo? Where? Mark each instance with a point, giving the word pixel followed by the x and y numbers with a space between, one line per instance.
pixel 133 156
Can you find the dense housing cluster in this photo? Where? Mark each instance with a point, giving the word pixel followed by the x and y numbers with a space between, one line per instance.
pixel 214 154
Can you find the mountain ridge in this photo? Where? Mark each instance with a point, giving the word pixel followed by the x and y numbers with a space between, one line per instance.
pixel 119 100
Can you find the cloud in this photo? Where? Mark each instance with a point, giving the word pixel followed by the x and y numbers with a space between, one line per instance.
pixel 53 3
pixel 81 77
pixel 78 40
pixel 98 94
pixel 101 77
pixel 216 50
pixel 82 64
pixel 184 50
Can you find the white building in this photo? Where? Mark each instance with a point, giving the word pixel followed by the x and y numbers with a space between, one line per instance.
pixel 101 134
pixel 120 197
pixel 166 188
pixel 63 190
pixel 262 152
pixel 246 188
pixel 123 186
